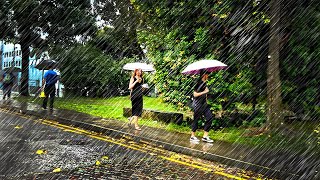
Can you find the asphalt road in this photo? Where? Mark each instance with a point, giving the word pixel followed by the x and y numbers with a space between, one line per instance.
pixel 34 148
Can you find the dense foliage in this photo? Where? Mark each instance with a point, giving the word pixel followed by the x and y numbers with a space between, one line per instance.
pixel 86 71
pixel 176 33
pixel 300 59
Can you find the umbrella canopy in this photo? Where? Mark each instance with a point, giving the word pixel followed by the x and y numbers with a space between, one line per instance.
pixel 207 65
pixel 12 69
pixel 143 66
pixel 45 64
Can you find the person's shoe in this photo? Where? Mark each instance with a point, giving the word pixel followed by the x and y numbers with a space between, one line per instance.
pixel 207 139
pixel 194 139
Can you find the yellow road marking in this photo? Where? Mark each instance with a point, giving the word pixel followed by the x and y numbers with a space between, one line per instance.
pixel 203 168
pixel 197 165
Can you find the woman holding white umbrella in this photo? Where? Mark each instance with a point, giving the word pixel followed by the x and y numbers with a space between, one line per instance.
pixel 135 86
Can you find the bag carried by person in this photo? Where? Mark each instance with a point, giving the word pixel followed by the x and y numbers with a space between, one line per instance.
pixel 191 103
pixel 42 94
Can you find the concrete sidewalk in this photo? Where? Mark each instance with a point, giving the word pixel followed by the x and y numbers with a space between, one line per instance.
pixel 273 163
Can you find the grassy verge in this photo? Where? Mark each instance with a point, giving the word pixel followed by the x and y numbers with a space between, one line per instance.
pixel 113 107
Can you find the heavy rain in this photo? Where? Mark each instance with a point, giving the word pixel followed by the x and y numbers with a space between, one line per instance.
pixel 134 89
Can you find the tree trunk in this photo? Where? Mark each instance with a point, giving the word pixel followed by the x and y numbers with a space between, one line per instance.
pixel 274 112
pixel 24 86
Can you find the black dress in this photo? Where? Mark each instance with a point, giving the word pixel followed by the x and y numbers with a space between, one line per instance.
pixel 136 98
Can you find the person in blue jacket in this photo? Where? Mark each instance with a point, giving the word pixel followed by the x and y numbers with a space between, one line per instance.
pixel 50 78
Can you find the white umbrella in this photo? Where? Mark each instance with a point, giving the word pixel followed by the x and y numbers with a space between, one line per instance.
pixel 143 66
pixel 207 65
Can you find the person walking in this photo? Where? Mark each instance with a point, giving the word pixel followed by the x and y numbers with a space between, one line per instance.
pixel 8 79
pixel 135 86
pixel 201 108
pixel 48 86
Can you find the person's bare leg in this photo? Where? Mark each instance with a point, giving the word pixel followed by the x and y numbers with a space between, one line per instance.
pixel 130 121
pixel 205 134
pixel 193 134
pixel 136 125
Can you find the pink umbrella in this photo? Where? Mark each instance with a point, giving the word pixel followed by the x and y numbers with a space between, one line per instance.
pixel 207 65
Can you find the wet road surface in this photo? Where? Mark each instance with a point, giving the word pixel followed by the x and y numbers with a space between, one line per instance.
pixel 34 148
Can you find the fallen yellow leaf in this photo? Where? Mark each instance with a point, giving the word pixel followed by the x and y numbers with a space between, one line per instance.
pixel 40 151
pixel 18 127
pixel 57 170
pixel 105 157
pixel 98 163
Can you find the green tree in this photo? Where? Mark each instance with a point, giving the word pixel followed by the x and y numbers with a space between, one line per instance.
pixel 300 50
pixel 274 111
pixel 177 33
pixel 118 36
pixel 59 20
pixel 87 71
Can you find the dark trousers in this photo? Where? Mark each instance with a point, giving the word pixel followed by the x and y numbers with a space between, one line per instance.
pixel 202 111
pixel 49 91
pixel 7 88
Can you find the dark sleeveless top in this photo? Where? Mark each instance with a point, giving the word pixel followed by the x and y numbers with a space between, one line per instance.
pixel 137 89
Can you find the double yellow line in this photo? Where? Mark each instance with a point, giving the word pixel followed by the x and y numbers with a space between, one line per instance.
pixel 144 148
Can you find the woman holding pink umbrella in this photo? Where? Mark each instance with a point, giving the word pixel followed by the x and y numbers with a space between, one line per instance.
pixel 200 105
